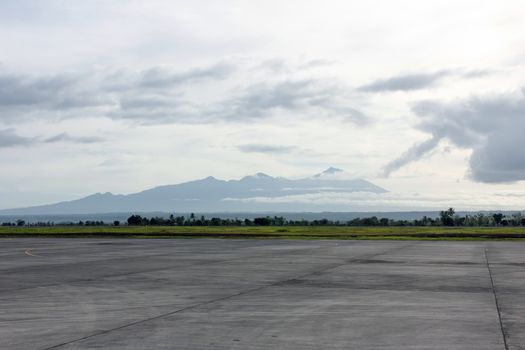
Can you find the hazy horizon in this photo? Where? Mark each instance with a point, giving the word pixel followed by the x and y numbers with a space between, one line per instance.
pixel 424 99
pixel 330 191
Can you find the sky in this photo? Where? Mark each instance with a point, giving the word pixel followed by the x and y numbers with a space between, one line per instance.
pixel 423 98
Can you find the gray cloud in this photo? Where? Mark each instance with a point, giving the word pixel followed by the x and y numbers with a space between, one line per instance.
pixel 159 77
pixel 303 97
pixel 477 73
pixel 52 92
pixel 156 109
pixel 491 126
pixel 103 93
pixel 300 98
pixel 416 81
pixel 159 95
pixel 18 90
pixel 261 148
pixel 9 138
pixel 412 154
pixel 500 158
pixel 65 137
pixel 405 82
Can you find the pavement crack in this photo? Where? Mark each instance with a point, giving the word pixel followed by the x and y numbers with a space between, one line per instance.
pixel 502 328
pixel 121 274
pixel 152 318
pixel 253 290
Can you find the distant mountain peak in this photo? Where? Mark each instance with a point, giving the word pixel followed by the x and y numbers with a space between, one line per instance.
pixel 258 192
pixel 258 176
pixel 102 194
pixel 262 176
pixel 330 171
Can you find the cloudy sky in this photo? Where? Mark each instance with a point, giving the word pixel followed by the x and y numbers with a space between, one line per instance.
pixel 423 98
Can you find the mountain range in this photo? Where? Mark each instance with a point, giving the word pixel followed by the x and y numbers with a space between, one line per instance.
pixel 259 192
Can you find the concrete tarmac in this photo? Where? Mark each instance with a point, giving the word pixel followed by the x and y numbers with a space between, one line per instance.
pixel 261 294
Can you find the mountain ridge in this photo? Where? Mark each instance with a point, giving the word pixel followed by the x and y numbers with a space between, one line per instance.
pixel 209 194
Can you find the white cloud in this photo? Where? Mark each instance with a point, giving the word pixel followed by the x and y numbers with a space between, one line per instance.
pixel 490 125
pixel 228 88
pixel 390 201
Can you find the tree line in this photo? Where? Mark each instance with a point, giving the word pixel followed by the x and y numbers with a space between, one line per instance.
pixel 446 218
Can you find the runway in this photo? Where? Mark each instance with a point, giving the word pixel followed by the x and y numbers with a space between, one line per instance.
pixel 261 294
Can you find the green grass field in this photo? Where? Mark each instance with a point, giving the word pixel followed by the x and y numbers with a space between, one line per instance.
pixel 284 232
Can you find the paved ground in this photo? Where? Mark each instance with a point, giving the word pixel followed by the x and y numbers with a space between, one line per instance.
pixel 260 294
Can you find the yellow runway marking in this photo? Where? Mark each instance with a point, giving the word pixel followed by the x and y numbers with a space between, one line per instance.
pixel 29 252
